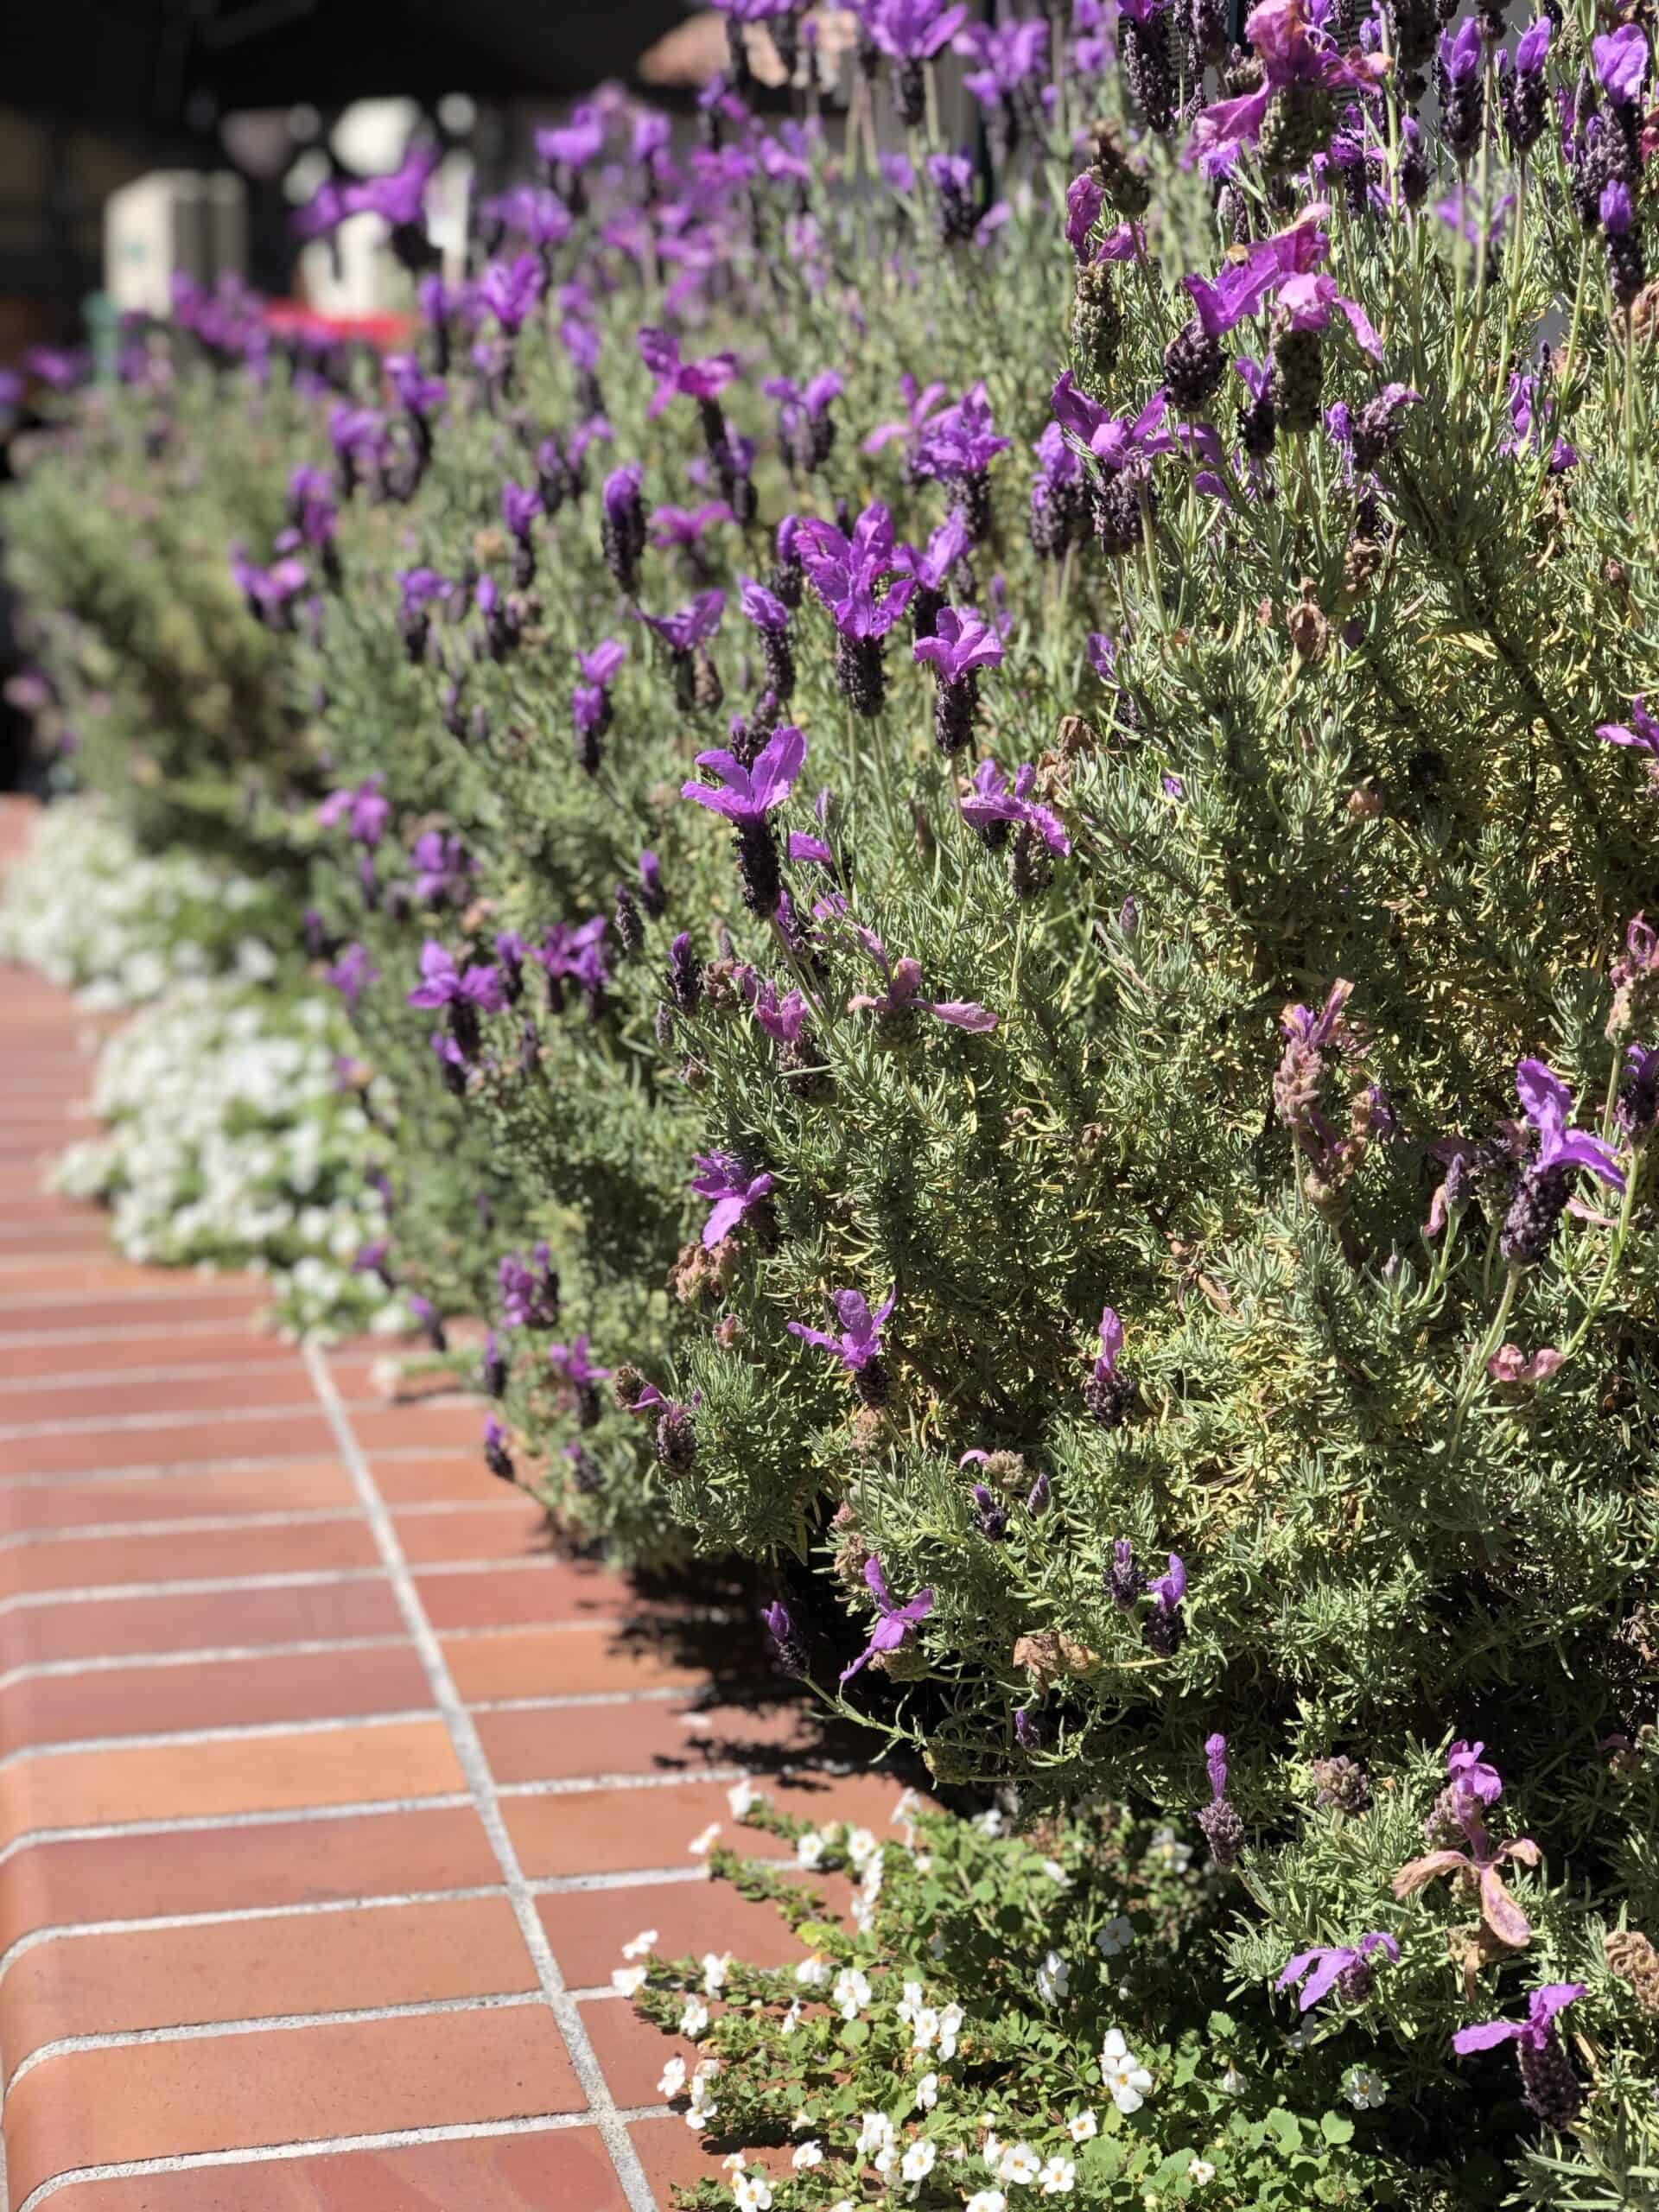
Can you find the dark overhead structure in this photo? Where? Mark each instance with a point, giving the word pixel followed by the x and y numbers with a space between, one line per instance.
pixel 173 67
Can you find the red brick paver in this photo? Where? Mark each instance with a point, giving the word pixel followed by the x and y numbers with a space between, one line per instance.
pixel 328 1792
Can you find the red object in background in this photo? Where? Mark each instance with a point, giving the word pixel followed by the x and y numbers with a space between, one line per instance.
pixel 376 329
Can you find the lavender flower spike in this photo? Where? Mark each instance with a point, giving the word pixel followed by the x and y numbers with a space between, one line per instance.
pixel 961 646
pixel 1166 1625
pixel 1223 1830
pixel 895 1622
pixel 1553 2090
pixel 1541 1194
pixel 1642 733
pixel 1345 1970
pixel 746 797
pixel 859 1346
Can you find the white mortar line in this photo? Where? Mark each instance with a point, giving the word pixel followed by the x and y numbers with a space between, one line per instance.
pixel 401 2138
pixel 234 1917
pixel 45 1670
pixel 273 2023
pixel 232 1463
pixel 446 1801
pixel 469 1751
pixel 23 1431
pixel 295 1579
pixel 242 1732
pixel 295 1516
pixel 585 1785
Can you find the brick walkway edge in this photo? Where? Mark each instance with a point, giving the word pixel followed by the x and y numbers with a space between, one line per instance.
pixel 328 1792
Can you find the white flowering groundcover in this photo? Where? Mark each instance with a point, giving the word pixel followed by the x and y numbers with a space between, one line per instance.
pixel 232 1143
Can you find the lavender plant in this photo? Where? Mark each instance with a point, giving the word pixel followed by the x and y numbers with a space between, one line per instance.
pixel 1108 859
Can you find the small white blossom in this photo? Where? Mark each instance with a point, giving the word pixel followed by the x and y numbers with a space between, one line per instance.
pixel 951 2022
pixel 1363 2089
pixel 986 2200
pixel 990 1822
pixel 885 2158
pixel 1059 2176
pixel 672 2080
pixel 1126 2079
pixel 626 1980
pixel 1019 2163
pixel 1057 1873
pixel 1176 1855
pixel 734 2162
pixel 924 2029
pixel 992 2150
pixel 917 2162
pixel 927 2093
pixel 743 1796
pixel 1232 2082
pixel 700 1845
pixel 1200 2172
pixel 807 2154
pixel 715 1966
pixel 1052 1977
pixel 695 2018
pixel 809 1848
pixel 1115 1937
pixel 908 1803
pixel 644 1941
pixel 752 2193
pixel 813 1973
pixel 911 2003
pixel 924 1864
pixel 875 2135
pixel 1082 2125
pixel 851 1992
pixel 861 1845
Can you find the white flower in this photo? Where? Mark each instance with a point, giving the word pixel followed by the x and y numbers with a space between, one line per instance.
pixel 1232 2082
pixel 851 1992
pixel 644 1941
pixel 911 2003
pixel 1057 1873
pixel 752 2192
pixel 695 2018
pixel 807 2154
pixel 715 1964
pixel 625 1980
pixel 924 2029
pixel 813 1973
pixel 875 2135
pixel 1058 2176
pixel 1019 2163
pixel 1363 2088
pixel 1200 2172
pixel 1051 1978
pixel 1115 1937
pixel 1175 1855
pixel 991 2150
pixel 986 2200
pixel 791 2019
pixel 885 2158
pixel 908 1803
pixel 951 2022
pixel 734 2162
pixel 927 2093
pixel 990 1822
pixel 1082 2125
pixel 699 1844
pixel 672 2080
pixel 809 1848
pixel 742 1796
pixel 917 2162
pixel 924 1865
pixel 1127 2081
pixel 861 1845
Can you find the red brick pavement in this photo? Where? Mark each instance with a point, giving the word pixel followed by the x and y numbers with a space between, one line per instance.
pixel 328 1794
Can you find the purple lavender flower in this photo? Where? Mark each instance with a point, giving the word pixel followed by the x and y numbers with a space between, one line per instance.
pixel 770 618
pixel 700 380
pixel 652 896
pixel 1290 54
pixel 493 1367
pixel 418 590
pixel 1471 1785
pixel 1166 1625
pixel 787 1640
pixel 931 571
pixel 530 1293
pixel 806 429
pixel 1223 1830
pixel 622 525
pixel 510 290
pixel 1553 2090
pixel 1621 64
pixel 351 974
pixel 571 1366
pixel 895 1622
pixel 571 147
pixel 519 508
pixel 462 994
pixel 911 30
pixel 896 1005
pixel 958 446
pixel 363 807
pixel 418 394
pixel 922 403
pixel 733 1190
pixel 785 1018
pixel 497 1458
pixel 686 633
pixel 1124 1580
pixel 747 796
pixel 270 594
pixel 956 180
pixel 442 870
pixel 1008 57
pixel 1540 1196
pixel 859 1346
pixel 1346 1970
pixel 590 700
pixel 961 645
pixel 996 802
